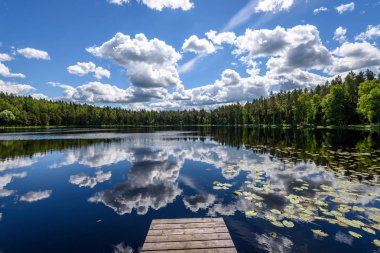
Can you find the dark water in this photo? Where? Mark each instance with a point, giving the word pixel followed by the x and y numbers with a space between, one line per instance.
pixel 80 190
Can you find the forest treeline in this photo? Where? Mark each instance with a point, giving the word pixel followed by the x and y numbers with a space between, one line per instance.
pixel 349 101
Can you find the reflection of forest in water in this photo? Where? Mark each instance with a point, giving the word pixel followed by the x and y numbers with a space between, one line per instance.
pixel 349 151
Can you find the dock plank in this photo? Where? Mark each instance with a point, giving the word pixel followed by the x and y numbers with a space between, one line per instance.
pixel 194 235
pixel 220 250
pixel 188 245
pixel 188 225
pixel 187 220
pixel 188 231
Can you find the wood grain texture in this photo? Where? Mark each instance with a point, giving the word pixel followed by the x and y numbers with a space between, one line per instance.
pixel 198 235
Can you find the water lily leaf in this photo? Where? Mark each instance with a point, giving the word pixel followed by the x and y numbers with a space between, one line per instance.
pixel 288 224
pixel 275 211
pixel 277 224
pixel 319 232
pixel 356 235
pixel 369 230
pixel 237 193
pixel 250 213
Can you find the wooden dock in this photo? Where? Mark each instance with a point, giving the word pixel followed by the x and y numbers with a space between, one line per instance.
pixel 189 236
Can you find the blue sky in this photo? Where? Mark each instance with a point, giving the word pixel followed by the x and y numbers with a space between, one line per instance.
pixel 160 54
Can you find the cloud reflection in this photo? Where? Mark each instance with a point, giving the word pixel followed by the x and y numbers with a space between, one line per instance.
pixel 151 184
pixel 36 196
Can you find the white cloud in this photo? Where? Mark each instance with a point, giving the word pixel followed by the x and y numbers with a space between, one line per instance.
pixel 32 53
pixel 83 68
pixel 372 32
pixel 354 56
pixel 39 96
pixel 5 57
pixel 230 88
pixel 196 45
pixel 159 5
pixel 95 92
pixel 340 34
pixel 15 88
pixel 273 5
pixel 221 38
pixel 149 63
pixel 299 47
pixel 36 196
pixel 82 180
pixel 345 8
pixel 4 71
pixel 320 10
pixel 118 2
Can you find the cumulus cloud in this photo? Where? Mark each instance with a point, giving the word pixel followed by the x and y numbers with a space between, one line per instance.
pixel 273 5
pixel 83 180
pixel 36 196
pixel 340 34
pixel 96 92
pixel 5 72
pixel 290 49
pixel 345 8
pixel 320 10
pixel 354 56
pixel 5 57
pixel 230 88
pixel 159 5
pixel 196 45
pixel 39 96
pixel 149 63
pixel 83 68
pixel 372 32
pixel 32 53
pixel 221 38
pixel 118 2
pixel 15 88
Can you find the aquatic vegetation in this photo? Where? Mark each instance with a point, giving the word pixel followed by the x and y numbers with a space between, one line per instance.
pixel 356 235
pixel 221 186
pixel 319 233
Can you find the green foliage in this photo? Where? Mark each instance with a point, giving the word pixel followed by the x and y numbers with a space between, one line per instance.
pixel 369 100
pixel 335 106
pixel 338 103
pixel 7 117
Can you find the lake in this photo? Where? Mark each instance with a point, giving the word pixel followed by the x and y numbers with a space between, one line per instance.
pixel 97 190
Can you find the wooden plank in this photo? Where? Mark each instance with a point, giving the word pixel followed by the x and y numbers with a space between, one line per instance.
pixel 183 238
pixel 188 225
pixel 188 231
pixel 188 220
pixel 188 245
pixel 220 250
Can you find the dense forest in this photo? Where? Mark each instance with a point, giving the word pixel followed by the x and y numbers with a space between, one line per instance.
pixel 350 101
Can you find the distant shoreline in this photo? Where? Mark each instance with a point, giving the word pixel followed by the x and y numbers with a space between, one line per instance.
pixel 329 127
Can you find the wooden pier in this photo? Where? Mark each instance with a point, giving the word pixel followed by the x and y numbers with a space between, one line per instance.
pixel 188 236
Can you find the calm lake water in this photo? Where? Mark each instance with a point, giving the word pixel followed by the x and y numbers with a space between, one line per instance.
pixel 81 190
